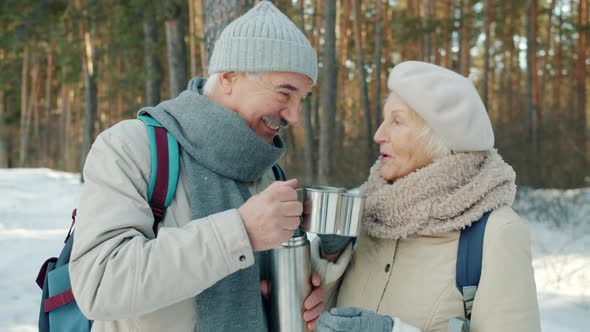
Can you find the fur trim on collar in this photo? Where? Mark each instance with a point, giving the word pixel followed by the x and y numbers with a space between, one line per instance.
pixel 444 196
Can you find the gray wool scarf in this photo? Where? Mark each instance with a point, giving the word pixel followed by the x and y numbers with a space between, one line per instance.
pixel 221 155
pixel 446 195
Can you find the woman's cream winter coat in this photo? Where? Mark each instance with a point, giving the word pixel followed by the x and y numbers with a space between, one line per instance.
pixel 413 278
pixel 403 264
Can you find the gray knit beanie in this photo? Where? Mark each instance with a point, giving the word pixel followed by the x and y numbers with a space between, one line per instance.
pixel 264 40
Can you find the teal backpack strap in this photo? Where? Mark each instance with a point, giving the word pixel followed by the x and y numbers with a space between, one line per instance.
pixel 165 168
pixel 468 269
pixel 278 172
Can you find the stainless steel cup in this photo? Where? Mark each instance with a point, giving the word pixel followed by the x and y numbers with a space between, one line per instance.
pixel 352 208
pixel 330 210
pixel 321 208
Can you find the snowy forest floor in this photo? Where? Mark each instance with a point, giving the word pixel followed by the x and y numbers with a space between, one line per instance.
pixel 35 215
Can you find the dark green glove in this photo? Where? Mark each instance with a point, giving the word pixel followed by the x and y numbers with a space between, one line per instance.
pixel 353 319
pixel 333 244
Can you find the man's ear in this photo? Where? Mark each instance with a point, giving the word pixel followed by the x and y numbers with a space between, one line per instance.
pixel 227 81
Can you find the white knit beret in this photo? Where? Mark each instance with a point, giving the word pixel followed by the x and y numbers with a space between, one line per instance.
pixel 447 101
pixel 264 40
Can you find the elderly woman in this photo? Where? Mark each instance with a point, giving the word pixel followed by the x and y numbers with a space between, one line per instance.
pixel 438 173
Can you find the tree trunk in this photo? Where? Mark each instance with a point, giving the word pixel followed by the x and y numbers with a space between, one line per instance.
pixel 437 32
pixel 488 21
pixel 45 159
pixel 328 93
pixel 319 21
pixel 23 106
pixel 493 103
pixel 581 119
pixel 35 115
pixel 219 14
pixel 28 110
pixel 377 59
pixel 71 129
pixel 90 107
pixel 192 28
pixel 176 48
pixel 464 55
pixel 200 30
pixel 315 37
pixel 63 139
pixel 344 37
pixel 308 148
pixel 510 54
pixel 364 93
pixel 153 68
pixel 581 69
pixel 120 96
pixel 63 142
pixel 531 75
pixel 3 157
pixel 557 79
pixel 409 51
pixel 547 68
pixel 388 44
pixel 421 35
pixel 342 45
pixel 90 70
pixel 448 13
pixel 430 14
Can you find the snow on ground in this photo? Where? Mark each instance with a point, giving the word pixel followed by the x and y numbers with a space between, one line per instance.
pixel 35 210
pixel 36 205
pixel 560 234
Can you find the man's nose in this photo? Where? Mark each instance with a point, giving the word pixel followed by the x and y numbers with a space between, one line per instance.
pixel 292 112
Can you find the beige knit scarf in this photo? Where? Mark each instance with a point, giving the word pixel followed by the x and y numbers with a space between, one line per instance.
pixel 444 196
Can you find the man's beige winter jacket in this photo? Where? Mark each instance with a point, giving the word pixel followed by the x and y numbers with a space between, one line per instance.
pixel 121 276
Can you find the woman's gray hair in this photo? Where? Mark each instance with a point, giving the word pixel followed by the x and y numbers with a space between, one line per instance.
pixel 435 148
pixel 211 83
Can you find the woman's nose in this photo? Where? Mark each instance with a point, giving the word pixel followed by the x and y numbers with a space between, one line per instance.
pixel 379 137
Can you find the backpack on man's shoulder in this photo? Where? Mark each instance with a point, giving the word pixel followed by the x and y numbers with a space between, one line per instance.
pixel 59 310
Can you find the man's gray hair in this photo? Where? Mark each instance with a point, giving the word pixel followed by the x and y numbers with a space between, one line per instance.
pixel 211 83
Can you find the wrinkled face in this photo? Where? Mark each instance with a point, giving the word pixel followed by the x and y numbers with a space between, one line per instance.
pixel 402 150
pixel 268 102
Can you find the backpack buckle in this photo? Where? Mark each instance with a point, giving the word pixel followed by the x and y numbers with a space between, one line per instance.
pixel 72 225
pixel 468 298
pixel 458 324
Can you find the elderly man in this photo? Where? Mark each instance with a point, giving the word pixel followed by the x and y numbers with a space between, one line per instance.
pixel 205 268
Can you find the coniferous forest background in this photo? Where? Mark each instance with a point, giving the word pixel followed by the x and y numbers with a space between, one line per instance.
pixel 71 68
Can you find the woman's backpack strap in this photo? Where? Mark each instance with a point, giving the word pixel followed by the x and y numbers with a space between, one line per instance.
pixel 468 269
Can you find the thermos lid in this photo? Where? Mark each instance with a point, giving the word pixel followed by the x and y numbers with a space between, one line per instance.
pixel 296 240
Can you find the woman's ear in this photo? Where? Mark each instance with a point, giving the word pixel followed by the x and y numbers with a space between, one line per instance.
pixel 227 81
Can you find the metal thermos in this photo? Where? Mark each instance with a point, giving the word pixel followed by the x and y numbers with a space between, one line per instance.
pixel 290 276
